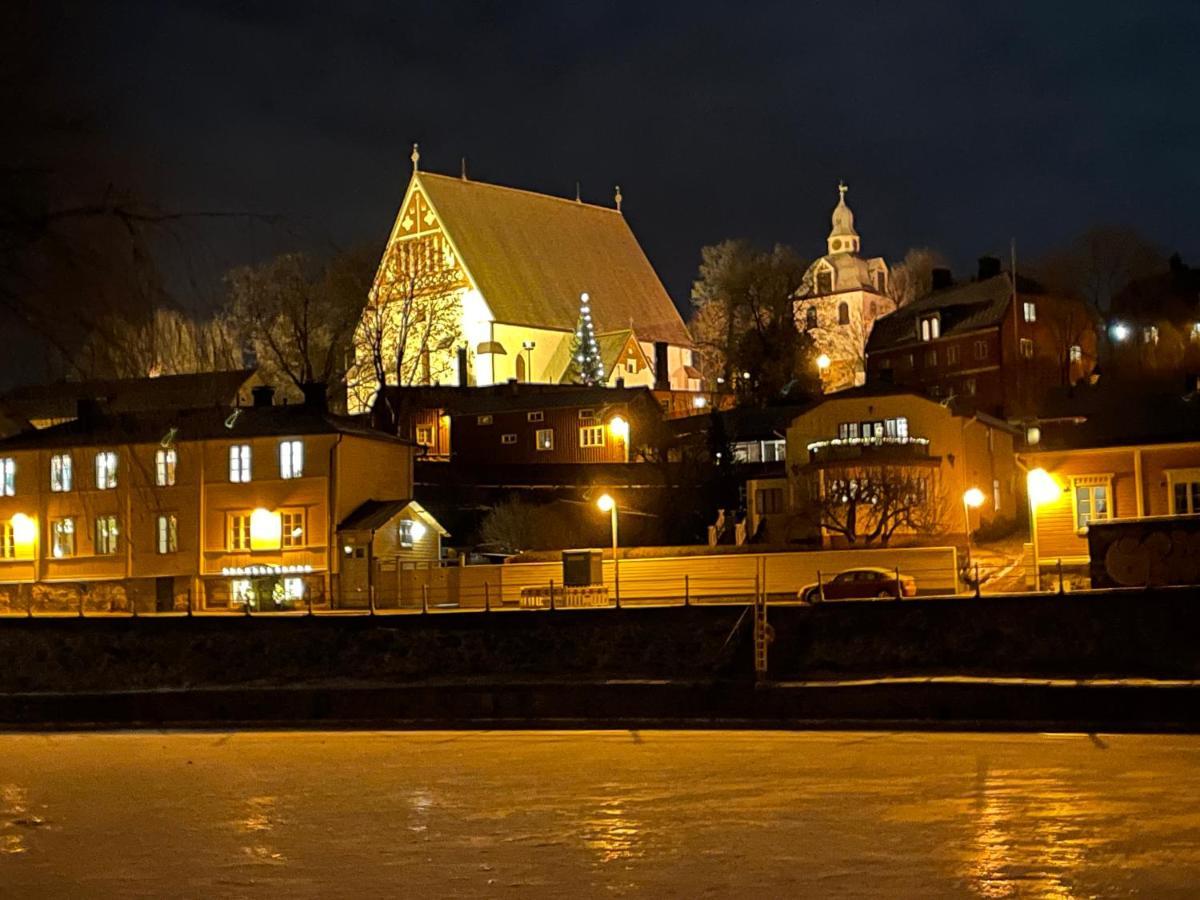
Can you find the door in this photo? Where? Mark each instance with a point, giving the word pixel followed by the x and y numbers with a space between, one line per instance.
pixel 356 571
pixel 164 594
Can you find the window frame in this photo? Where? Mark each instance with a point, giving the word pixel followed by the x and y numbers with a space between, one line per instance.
pixel 982 350
pixel 166 465
pixel 237 532
pixel 484 420
pixel 107 540
pixel 1176 478
pixel 298 519
pixel 423 435
pixel 1091 483
pixel 8 540
pixel 105 464
pixel 291 458
pixel 62 473
pixel 952 354
pixel 63 528
pixel 538 416
pixel 241 463
pixel 509 440
pixel 587 434
pixel 166 534
pixel 8 476
pixel 1029 311
pixel 1026 348
pixel 537 439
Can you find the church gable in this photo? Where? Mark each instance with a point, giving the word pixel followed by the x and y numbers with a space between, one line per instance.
pixel 419 259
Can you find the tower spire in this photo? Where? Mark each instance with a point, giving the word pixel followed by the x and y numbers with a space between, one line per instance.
pixel 464 168
pixel 415 157
pixel 618 198
pixel 842 236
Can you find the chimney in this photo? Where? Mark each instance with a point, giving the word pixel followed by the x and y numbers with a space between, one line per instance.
pixel 462 366
pixel 87 410
pixel 941 279
pixel 662 374
pixel 263 395
pixel 989 267
pixel 315 396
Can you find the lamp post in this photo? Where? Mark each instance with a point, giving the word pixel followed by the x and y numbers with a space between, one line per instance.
pixel 823 363
pixel 609 505
pixel 972 499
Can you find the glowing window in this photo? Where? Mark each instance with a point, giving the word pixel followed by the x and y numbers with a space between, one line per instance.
pixel 168 533
pixel 1093 495
pixel 425 435
pixel 60 472
pixel 106 535
pixel 545 438
pixel 291 459
pixel 1027 348
pixel 292 523
pixel 62 538
pixel 164 467
pixel 239 463
pixel 1076 353
pixel 1030 310
pixel 106 470
pixel 8 542
pixel 8 477
pixel 238 537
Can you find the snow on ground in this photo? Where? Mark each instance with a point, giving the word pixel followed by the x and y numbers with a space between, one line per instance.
pixel 598 814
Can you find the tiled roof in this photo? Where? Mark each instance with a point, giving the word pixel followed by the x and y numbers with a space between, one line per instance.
pixel 962 309
pixel 60 400
pixel 371 515
pixel 532 255
pixel 513 397
pixel 210 423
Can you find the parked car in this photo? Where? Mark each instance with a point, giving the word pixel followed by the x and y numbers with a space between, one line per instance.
pixel 867 583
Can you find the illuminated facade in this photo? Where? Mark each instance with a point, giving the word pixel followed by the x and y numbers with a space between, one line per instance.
pixel 840 299
pixel 206 509
pixel 481 284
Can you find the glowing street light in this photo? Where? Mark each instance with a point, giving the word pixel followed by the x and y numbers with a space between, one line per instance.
pixel 1041 489
pixel 1120 332
pixel 823 362
pixel 607 504
pixel 972 499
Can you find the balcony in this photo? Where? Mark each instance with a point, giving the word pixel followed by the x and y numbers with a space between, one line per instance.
pixel 871 450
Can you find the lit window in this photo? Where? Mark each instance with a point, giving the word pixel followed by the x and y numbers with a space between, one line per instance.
pixel 545 438
pixel 1150 334
pixel 1027 348
pixel 8 541
pixel 106 535
pixel 1030 311
pixel 508 438
pixel 1092 496
pixel 981 350
pixel 483 420
pixel 239 531
pixel 168 534
pixel 293 528
pixel 60 472
pixel 535 417
pixel 952 354
pixel 62 538
pixel 1196 331
pixel 995 493
pixel 241 590
pixel 291 459
pixel 810 317
pixel 931 328
pixel 591 436
pixel 1076 353
pixel 293 589
pixel 164 467
pixel 425 435
pixel 106 470
pixel 8 477
pixel 407 533
pixel 239 463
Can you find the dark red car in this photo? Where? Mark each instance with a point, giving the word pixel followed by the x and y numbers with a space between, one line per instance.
pixel 867 583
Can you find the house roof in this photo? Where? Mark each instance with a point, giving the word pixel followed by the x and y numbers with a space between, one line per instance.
pixel 209 423
pixel 1116 415
pixel 513 397
pixel 371 515
pixel 961 309
pixel 60 400
pixel 532 255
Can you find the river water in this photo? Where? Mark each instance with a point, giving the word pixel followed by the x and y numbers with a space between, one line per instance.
pixel 598 814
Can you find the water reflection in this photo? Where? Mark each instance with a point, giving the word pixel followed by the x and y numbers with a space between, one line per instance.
pixel 613 834
pixel 14 817
pixel 258 822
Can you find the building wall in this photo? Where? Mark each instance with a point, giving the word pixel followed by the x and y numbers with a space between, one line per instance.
pixel 844 344
pixel 481 444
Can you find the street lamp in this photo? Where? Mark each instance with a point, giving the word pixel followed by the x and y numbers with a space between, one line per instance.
pixel 823 363
pixel 972 499
pixel 609 505
pixel 1041 488
pixel 1119 332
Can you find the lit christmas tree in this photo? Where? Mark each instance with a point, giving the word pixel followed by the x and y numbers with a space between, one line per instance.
pixel 586 365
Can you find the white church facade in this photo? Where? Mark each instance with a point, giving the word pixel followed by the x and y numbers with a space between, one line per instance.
pixel 480 284
pixel 841 297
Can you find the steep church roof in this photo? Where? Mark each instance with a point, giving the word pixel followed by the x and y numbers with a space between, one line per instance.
pixel 532 255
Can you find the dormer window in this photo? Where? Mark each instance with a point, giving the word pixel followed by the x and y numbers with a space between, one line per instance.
pixel 824 282
pixel 930 328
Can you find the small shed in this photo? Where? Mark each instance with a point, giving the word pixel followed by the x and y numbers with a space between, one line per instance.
pixel 382 546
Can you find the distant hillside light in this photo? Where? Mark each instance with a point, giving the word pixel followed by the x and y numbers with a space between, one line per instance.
pixel 1120 332
pixel 1042 487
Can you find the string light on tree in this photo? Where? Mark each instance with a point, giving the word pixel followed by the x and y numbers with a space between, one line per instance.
pixel 586 365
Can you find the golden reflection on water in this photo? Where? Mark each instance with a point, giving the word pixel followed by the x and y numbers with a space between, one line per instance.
pixel 612 834
pixel 257 822
pixel 14 807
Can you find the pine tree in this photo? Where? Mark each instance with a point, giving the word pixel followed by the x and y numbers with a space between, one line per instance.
pixel 586 365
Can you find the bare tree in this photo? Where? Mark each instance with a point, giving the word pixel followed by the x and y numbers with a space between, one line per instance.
pixel 1099 264
pixel 168 343
pixel 912 278
pixel 868 503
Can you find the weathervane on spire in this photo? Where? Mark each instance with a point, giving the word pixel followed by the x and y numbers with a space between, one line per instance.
pixel 416 157
pixel 842 190
pixel 618 198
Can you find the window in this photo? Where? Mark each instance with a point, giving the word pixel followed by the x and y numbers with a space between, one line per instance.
pixel 292 524
pixel 62 538
pixel 969 387
pixel 407 533
pixel 1027 348
pixel 810 317
pixel 769 501
pixel 591 436
pixel 8 541
pixel 931 328
pixel 1030 309
pixel 587 414
pixel 1196 331
pixel 535 417
pixel 106 535
pixel 981 350
pixel 545 438
pixel 239 463
pixel 824 282
pixel 106 470
pixel 425 435
pixel 1076 353
pixel 931 358
pixel 167 532
pixel 483 420
pixel 239 531
pixel 508 438
pixel 1150 334
pixel 880 282
pixel 291 459
pixel 164 467
pixel 60 472
pixel 843 313
pixel 1092 494
pixel 995 493
pixel 293 589
pixel 952 354
pixel 241 590
pixel 8 477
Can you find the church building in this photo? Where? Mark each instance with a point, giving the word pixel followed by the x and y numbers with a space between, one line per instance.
pixel 481 284
pixel 841 297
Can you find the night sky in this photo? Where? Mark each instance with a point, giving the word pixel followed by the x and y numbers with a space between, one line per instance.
pixel 956 126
